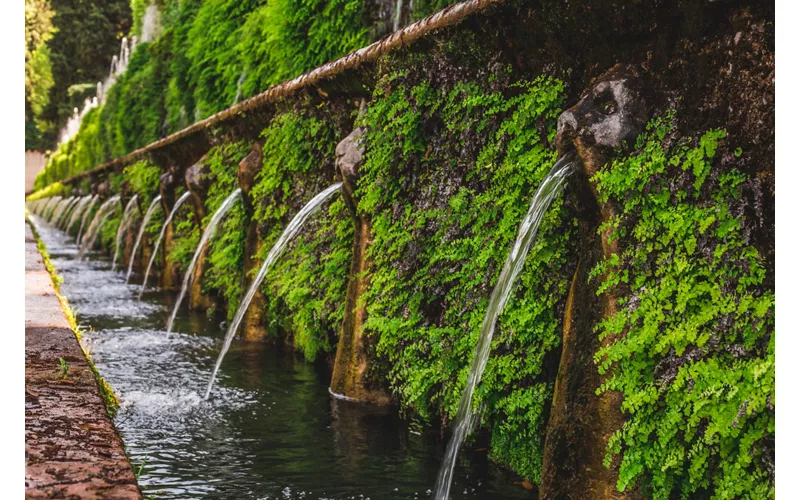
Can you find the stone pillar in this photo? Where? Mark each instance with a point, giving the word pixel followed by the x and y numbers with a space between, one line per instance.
pixel 350 369
pixel 198 182
pixel 253 327
pixel 168 182
pixel 609 116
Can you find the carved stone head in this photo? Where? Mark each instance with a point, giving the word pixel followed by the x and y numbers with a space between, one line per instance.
pixel 611 114
pixel 350 155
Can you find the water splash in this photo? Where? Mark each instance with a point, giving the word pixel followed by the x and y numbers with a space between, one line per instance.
pixel 97 222
pixel 147 215
pixel 277 249
pixel 175 208
pixel 550 187
pixel 86 213
pixel 207 235
pixel 124 224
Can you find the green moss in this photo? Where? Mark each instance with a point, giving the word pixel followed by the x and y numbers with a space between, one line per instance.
pixel 55 189
pixel 210 54
pixel 185 239
pixel 143 178
pixel 693 350
pixel 306 287
pixel 449 175
pixel 225 258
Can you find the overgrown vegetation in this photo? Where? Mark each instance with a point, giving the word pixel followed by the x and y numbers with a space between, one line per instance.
pixel 306 287
pixel 693 344
pixel 225 258
pixel 449 175
pixel 209 55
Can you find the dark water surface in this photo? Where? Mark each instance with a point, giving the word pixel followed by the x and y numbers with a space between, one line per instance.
pixel 270 428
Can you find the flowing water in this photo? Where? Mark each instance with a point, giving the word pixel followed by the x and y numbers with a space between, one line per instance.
pixel 207 235
pixel 97 222
pixel 147 215
pixel 124 225
pixel 76 214
pixel 62 219
pixel 271 430
pixel 172 213
pixel 86 213
pixel 291 230
pixel 550 187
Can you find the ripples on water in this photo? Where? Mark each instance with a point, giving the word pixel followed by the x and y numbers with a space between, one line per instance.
pixel 270 429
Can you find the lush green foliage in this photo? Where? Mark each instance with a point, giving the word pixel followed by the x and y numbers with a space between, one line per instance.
pixel 225 258
pixel 185 238
pixel 209 55
pixel 450 173
pixel 692 348
pixel 284 38
pixel 306 287
pixel 38 69
pixel 86 35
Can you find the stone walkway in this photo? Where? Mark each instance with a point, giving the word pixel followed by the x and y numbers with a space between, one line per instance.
pixel 72 449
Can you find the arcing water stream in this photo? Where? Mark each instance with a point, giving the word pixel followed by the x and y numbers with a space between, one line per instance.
pixel 124 225
pixel 150 210
pixel 164 227
pixel 550 187
pixel 207 235
pixel 290 232
pixel 86 214
pixel 271 430
pixel 97 222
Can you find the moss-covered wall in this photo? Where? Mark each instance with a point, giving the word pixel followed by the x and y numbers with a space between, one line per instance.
pixel 668 242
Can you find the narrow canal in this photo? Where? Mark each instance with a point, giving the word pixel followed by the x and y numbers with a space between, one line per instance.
pixel 270 429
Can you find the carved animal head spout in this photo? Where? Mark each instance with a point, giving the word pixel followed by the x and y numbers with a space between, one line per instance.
pixel 349 158
pixel 611 114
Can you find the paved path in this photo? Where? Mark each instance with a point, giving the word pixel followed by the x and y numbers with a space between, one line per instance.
pixel 72 449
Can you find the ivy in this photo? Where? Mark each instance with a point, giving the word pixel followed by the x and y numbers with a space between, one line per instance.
pixel 692 346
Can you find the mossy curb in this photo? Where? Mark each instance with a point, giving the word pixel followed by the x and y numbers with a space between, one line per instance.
pixel 106 392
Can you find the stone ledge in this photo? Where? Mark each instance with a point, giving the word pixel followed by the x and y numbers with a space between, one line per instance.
pixel 72 449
